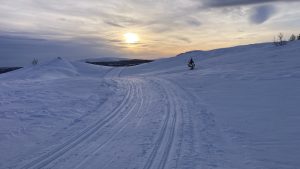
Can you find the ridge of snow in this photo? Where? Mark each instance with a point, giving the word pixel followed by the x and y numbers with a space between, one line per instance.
pixel 55 69
pixel 256 53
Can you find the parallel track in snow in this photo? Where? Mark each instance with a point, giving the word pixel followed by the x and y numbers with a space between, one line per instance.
pixel 56 153
pixel 166 135
pixel 118 120
pixel 172 133
pixel 120 126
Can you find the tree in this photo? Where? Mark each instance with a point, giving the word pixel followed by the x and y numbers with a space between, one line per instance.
pixel 280 41
pixel 280 38
pixel 34 62
pixel 293 37
pixel 298 38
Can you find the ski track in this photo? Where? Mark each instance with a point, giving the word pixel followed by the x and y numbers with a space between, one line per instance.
pixel 166 135
pixel 127 113
pixel 122 124
pixel 59 151
pixel 114 72
pixel 170 137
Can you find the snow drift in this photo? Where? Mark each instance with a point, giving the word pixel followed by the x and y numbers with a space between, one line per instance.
pixel 56 69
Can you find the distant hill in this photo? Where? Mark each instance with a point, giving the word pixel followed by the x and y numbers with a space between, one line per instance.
pixel 8 69
pixel 104 62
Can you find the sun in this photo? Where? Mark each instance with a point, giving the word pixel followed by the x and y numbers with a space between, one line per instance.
pixel 131 38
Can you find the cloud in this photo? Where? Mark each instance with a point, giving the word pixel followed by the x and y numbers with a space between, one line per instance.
pixel 20 50
pixel 111 23
pixel 224 3
pixel 157 22
pixel 193 22
pixel 261 14
pixel 184 39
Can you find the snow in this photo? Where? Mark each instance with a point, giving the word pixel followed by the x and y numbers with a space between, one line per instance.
pixel 238 109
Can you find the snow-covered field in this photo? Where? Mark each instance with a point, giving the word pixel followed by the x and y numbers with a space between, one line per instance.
pixel 238 110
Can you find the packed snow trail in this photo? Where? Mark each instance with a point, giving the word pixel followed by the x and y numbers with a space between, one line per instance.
pixel 143 131
pixel 154 125
pixel 165 137
pixel 59 151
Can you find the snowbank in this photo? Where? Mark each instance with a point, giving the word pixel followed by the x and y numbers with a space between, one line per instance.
pixel 55 69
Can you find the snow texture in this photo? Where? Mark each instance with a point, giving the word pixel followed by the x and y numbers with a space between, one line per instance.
pixel 238 109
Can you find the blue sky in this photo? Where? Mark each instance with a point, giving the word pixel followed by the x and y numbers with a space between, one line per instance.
pixel 94 28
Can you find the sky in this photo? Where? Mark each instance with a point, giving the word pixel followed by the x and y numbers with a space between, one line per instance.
pixel 78 29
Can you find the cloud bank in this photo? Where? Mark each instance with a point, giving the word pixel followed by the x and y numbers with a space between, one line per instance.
pixel 261 14
pixel 21 50
pixel 166 27
pixel 224 3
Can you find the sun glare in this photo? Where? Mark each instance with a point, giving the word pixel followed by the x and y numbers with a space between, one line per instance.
pixel 131 38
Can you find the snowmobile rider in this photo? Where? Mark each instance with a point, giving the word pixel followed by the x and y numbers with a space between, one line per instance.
pixel 191 64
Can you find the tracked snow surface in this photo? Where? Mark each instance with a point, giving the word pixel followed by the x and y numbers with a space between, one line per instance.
pixel 238 110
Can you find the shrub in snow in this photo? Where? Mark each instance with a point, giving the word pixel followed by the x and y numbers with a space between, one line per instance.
pixel 293 37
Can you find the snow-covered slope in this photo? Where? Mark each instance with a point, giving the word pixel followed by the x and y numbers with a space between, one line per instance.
pixel 248 57
pixel 238 109
pixel 253 94
pixel 55 69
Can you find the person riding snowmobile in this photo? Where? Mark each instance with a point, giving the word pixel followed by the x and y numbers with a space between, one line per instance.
pixel 191 64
